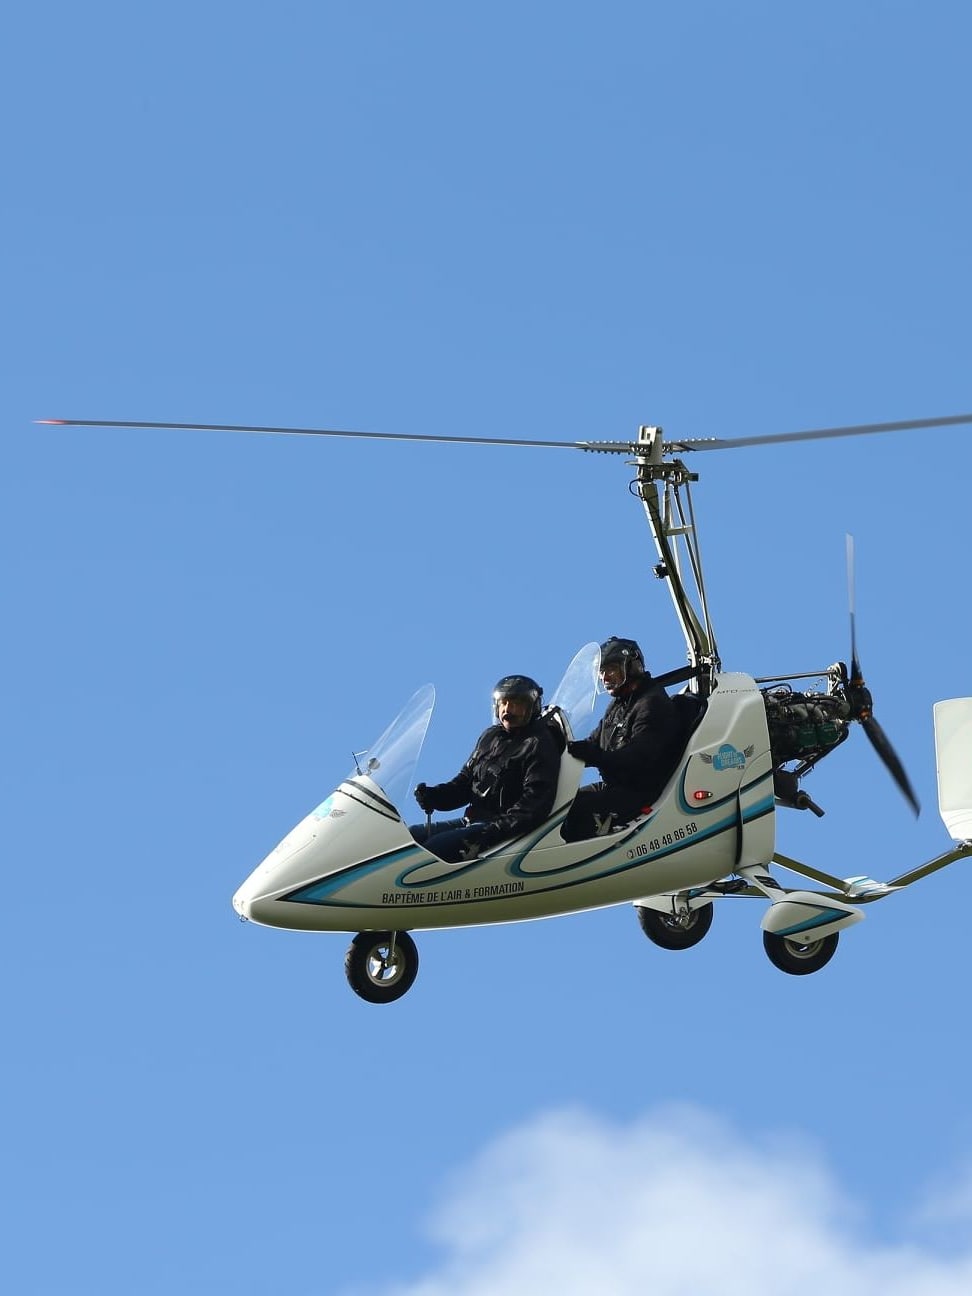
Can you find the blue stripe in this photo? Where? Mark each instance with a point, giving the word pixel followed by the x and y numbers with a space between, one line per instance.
pixel 315 892
pixel 832 915
pixel 319 892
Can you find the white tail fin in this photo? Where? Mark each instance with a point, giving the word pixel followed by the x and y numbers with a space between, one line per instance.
pixel 953 749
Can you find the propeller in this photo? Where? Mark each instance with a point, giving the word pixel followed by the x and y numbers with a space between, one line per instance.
pixel 861 703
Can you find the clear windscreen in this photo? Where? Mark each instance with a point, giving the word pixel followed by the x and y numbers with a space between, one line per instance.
pixel 391 761
pixel 577 691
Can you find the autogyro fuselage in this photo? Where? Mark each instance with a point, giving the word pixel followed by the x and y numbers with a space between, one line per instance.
pixel 352 863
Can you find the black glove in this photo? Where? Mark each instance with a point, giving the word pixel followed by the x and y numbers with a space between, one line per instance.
pixel 423 795
pixel 586 750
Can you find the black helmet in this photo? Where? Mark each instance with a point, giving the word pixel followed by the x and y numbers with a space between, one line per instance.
pixel 626 654
pixel 621 650
pixel 518 686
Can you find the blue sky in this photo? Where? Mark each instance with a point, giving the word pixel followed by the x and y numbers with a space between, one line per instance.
pixel 545 221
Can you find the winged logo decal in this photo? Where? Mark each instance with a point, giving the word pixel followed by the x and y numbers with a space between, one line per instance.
pixel 728 757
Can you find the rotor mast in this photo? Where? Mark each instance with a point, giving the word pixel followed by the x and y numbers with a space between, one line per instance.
pixel 661 484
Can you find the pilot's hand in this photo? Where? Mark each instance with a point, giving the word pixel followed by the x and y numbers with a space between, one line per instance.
pixel 585 750
pixel 423 795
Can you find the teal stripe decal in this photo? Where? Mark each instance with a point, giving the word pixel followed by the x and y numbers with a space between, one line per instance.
pixel 322 891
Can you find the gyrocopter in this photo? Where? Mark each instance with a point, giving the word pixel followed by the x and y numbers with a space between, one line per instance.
pixel 352 865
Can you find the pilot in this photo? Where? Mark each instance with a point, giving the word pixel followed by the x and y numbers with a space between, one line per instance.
pixel 634 746
pixel 508 784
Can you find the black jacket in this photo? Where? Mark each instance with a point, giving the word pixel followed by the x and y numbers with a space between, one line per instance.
pixel 510 779
pixel 638 738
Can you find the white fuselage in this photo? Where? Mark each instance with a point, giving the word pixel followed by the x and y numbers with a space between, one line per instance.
pixel 352 865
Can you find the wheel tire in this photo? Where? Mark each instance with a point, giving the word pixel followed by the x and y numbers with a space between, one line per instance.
pixel 668 932
pixel 369 972
pixel 799 958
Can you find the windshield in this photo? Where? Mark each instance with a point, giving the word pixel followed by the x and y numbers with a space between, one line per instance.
pixel 576 692
pixel 390 762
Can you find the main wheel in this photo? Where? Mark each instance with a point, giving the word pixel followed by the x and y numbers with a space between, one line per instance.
pixel 381 966
pixel 799 957
pixel 675 931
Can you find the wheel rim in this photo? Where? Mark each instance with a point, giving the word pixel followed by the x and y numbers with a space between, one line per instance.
pixel 802 949
pixel 679 922
pixel 384 967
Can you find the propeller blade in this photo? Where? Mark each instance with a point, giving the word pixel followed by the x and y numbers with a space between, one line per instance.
pixel 861 700
pixel 880 743
pixel 855 670
pixel 859 696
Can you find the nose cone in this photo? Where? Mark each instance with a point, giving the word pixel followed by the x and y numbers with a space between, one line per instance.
pixel 283 868
pixel 254 902
pixel 249 901
pixel 354 834
pixel 241 901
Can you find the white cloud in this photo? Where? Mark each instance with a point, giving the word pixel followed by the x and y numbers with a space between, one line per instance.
pixel 674 1204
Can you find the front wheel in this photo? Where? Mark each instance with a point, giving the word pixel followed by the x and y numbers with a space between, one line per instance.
pixel 675 931
pixel 381 966
pixel 799 957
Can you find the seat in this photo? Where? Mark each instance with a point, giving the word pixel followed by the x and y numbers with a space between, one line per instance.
pixel 571 769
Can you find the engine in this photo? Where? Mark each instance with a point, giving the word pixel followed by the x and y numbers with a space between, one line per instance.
pixel 803 728
pixel 804 725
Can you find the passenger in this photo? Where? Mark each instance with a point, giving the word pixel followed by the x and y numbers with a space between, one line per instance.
pixel 633 747
pixel 508 784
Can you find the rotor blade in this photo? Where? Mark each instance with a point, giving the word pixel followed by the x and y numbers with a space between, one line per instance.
pixel 605 446
pixel 817 434
pixel 628 447
pixel 880 743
